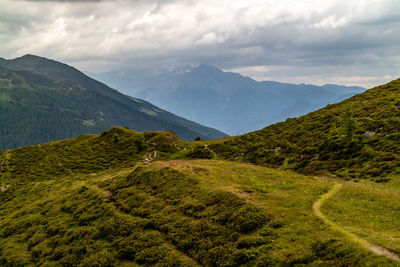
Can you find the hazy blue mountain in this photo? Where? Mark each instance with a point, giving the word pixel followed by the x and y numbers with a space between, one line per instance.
pixel 43 100
pixel 227 101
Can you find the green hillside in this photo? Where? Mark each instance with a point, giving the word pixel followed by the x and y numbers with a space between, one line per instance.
pixel 356 138
pixel 43 100
pixel 120 199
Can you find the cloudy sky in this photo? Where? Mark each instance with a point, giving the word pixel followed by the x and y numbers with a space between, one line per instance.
pixel 312 41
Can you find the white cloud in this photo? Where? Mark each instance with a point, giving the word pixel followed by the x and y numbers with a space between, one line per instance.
pixel 209 39
pixel 331 22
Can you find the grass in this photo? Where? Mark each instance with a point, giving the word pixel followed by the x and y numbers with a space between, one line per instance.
pixel 369 210
pixel 207 212
pixel 285 195
pixel 105 200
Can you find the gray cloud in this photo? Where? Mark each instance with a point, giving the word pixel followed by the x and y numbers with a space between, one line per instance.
pixel 350 42
pixel 71 1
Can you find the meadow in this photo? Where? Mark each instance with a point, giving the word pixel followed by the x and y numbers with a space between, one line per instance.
pixel 128 198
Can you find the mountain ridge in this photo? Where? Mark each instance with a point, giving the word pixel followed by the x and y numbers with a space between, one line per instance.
pixel 229 101
pixel 40 97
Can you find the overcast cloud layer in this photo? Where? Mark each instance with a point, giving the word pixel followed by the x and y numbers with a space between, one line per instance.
pixel 346 42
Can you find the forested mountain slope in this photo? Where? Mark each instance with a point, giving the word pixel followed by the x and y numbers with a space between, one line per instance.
pixel 43 100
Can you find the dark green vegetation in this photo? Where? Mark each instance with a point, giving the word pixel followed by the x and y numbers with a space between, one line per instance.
pixel 118 199
pixel 356 138
pixel 43 100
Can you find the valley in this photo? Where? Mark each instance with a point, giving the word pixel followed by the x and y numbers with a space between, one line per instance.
pixel 227 101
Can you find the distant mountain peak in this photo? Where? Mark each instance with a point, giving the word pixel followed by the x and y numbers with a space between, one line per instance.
pixel 24 58
pixel 207 67
pixel 34 60
pixel 31 57
pixel 182 69
pixel 33 63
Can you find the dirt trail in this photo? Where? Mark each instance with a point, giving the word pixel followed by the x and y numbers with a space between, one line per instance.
pixel 374 248
pixel 212 151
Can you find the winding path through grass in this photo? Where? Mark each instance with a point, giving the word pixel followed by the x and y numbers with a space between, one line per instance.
pixel 374 248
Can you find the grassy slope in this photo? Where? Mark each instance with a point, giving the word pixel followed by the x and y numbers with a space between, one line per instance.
pixel 91 200
pixel 369 210
pixel 356 138
pixel 117 148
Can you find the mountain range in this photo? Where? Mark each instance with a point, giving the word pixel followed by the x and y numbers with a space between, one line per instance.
pixel 227 101
pixel 43 100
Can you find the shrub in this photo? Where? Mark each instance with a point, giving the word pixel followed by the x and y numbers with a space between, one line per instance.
pixel 102 258
pixel 248 219
pixel 200 153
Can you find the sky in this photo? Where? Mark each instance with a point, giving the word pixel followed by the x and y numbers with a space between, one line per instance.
pixel 347 42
